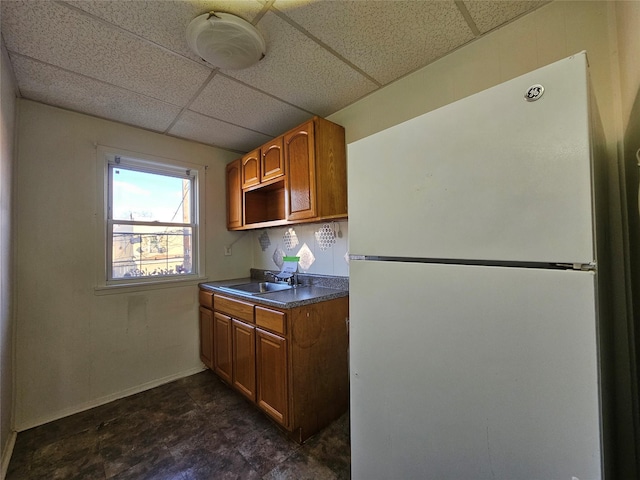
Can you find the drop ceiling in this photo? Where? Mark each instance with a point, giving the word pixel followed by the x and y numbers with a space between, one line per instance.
pixel 128 60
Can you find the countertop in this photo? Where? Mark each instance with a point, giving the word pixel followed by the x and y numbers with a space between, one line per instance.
pixel 294 297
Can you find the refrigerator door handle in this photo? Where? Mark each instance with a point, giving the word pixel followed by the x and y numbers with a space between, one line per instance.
pixel 582 267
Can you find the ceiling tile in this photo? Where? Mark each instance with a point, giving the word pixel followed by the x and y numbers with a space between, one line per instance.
pixel 207 130
pixel 301 72
pixel 386 39
pixel 228 100
pixel 165 22
pixel 53 86
pixel 72 40
pixel 123 59
pixel 489 14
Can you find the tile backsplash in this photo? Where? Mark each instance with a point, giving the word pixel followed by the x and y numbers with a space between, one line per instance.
pixel 322 247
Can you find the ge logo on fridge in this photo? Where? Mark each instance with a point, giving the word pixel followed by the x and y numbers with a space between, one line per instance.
pixel 534 93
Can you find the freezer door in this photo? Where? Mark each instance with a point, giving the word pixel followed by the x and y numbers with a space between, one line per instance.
pixel 472 373
pixel 490 177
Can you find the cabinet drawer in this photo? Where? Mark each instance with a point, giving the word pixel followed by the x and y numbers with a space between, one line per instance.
pixel 206 299
pixel 234 308
pixel 271 320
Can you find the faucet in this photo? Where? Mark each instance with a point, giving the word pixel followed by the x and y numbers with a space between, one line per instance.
pixel 292 280
pixel 275 276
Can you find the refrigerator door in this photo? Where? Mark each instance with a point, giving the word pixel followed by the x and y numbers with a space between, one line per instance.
pixel 473 372
pixel 490 177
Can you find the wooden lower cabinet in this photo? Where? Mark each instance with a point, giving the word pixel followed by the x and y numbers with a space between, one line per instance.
pixel 222 349
pixel 206 336
pixel 292 363
pixel 244 358
pixel 273 378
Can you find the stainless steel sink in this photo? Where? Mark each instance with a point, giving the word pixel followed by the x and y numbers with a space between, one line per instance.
pixel 256 288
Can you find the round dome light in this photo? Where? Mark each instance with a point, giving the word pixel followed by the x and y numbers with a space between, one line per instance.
pixel 225 41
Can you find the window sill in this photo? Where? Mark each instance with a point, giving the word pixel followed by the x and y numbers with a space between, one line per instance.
pixel 149 285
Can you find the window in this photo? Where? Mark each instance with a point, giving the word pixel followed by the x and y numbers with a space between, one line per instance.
pixel 151 219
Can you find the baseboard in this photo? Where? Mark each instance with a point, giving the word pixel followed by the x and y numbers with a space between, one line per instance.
pixel 7 451
pixel 106 399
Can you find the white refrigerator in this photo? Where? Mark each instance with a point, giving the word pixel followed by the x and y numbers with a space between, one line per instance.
pixel 476 295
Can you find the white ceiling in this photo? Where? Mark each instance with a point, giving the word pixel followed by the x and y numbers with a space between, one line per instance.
pixel 128 60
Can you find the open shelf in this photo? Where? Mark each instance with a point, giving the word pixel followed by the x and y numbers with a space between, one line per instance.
pixel 264 203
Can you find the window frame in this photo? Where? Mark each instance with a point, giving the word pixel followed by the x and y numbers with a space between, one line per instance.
pixel 106 158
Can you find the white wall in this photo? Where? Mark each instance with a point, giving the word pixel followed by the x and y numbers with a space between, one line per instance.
pixel 628 29
pixel 7 155
pixel 550 33
pixel 327 257
pixel 76 349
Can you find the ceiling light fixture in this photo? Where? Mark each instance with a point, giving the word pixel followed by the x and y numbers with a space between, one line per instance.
pixel 225 41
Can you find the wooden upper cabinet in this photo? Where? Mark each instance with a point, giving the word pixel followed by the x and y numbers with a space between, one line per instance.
pixel 298 177
pixel 331 169
pixel 301 172
pixel 234 194
pixel 251 169
pixel 272 160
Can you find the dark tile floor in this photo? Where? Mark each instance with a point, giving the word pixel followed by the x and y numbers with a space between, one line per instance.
pixel 193 428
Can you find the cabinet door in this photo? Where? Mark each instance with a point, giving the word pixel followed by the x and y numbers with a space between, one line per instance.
pixel 251 169
pixel 234 194
pixel 272 158
pixel 206 337
pixel 272 376
pixel 301 172
pixel 222 346
pixel 244 358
